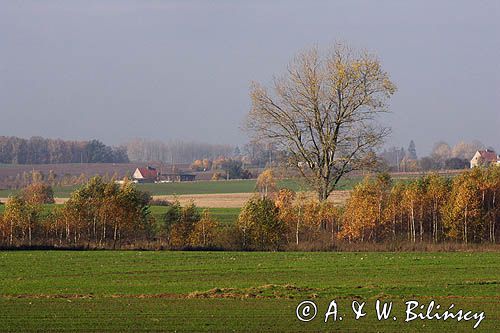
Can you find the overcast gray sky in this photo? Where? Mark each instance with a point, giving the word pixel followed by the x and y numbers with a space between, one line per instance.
pixel 115 70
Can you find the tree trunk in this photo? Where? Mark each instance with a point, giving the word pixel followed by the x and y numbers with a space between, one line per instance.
pixel 323 190
pixel 29 233
pixel 11 236
pixel 297 232
pixel 465 224
pixel 204 235
pixel 333 234
pixel 413 234
pixel 493 219
pixel 297 227
pixel 114 234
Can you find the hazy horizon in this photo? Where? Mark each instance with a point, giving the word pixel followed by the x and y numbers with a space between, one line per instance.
pixel 181 70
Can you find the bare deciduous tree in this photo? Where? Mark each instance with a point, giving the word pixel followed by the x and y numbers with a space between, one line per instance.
pixel 323 112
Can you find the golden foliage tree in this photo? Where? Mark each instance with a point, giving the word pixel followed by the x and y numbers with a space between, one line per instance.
pixel 323 112
pixel 260 224
pixel 287 211
pixel 182 224
pixel 395 210
pixel 266 184
pixel 204 231
pixel 438 190
pixel 361 212
pixel 329 216
pixel 38 193
pixel 21 219
pixel 464 208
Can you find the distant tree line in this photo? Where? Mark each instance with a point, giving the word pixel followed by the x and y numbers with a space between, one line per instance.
pixel 38 150
pixel 24 179
pixel 224 168
pixel 176 152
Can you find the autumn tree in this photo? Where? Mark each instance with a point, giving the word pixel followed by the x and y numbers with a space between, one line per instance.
pixel 197 165
pixel 466 150
pixel 217 176
pixel 309 209
pixel 288 212
pixel 463 211
pixel 204 231
pixel 260 224
pixel 329 216
pixel 13 218
pixel 395 210
pixel 266 183
pixel 441 152
pixel 362 215
pixel 21 219
pixel 492 186
pixel 412 200
pixel 131 212
pixel 38 193
pixel 101 211
pixel 323 112
pixel 183 225
pixel 438 190
pixel 4 230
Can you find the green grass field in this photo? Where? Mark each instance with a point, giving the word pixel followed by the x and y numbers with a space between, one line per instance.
pixel 198 187
pixel 223 215
pixel 45 210
pixel 185 291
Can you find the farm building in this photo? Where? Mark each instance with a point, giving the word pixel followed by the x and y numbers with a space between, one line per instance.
pixel 146 175
pixel 151 175
pixel 484 157
pixel 176 177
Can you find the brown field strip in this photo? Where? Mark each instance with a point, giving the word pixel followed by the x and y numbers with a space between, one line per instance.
pixel 224 200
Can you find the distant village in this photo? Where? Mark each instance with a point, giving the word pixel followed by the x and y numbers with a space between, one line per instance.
pixel 151 174
pixel 148 161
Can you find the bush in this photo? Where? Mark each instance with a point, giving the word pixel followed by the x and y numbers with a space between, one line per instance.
pixel 160 202
pixel 38 193
pixel 260 225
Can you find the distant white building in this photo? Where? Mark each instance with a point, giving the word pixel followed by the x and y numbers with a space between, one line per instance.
pixel 151 175
pixel 484 157
pixel 145 175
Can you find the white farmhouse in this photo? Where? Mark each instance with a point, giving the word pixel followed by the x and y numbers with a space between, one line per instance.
pixel 484 157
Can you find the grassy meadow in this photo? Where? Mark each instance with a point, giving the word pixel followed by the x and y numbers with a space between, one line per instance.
pixel 236 291
pixel 199 187
pixel 223 215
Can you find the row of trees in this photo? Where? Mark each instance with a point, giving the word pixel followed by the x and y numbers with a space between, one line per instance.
pixel 252 153
pixel 24 179
pixel 175 151
pixel 98 214
pixel 429 209
pixel 223 167
pixel 102 214
pixel 38 150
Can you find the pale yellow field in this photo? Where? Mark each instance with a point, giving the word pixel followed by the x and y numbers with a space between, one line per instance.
pixel 225 200
pixel 236 200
